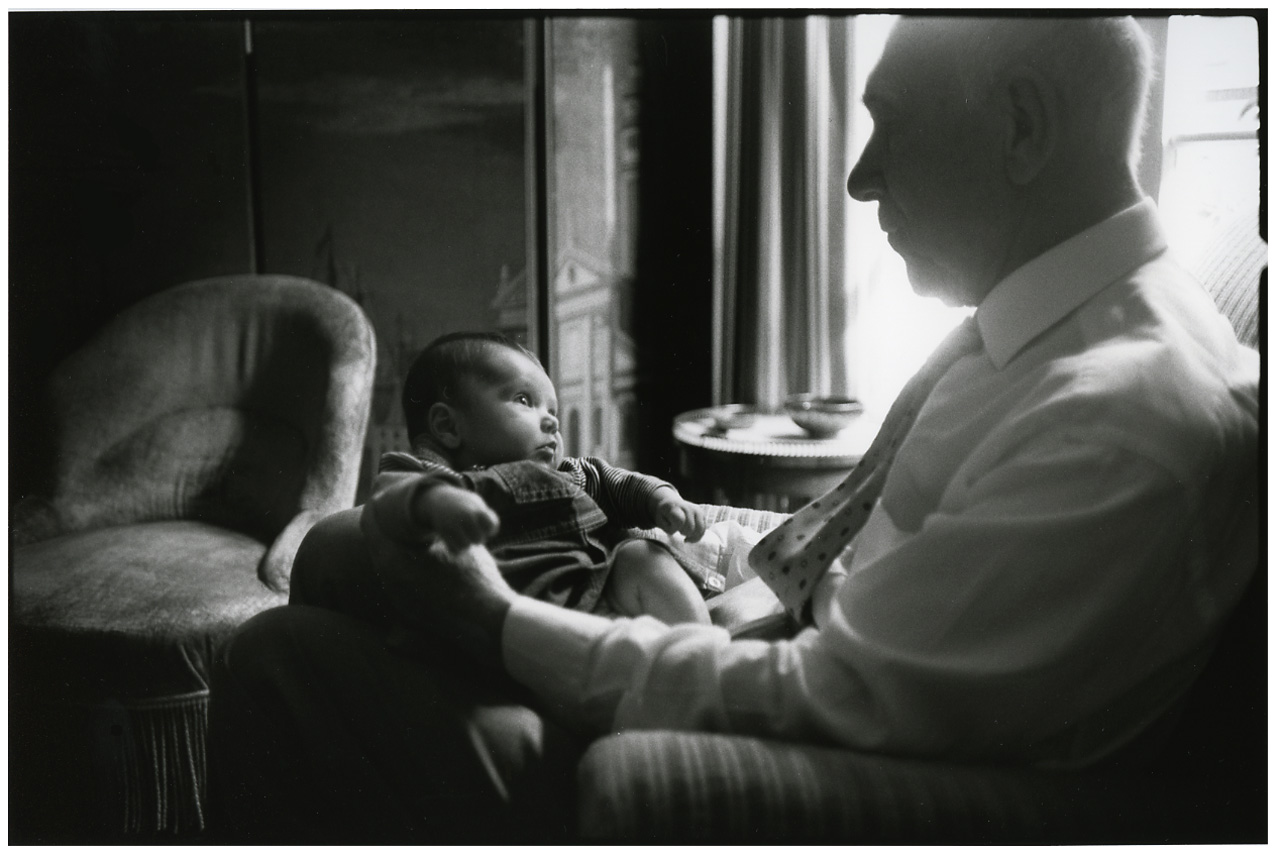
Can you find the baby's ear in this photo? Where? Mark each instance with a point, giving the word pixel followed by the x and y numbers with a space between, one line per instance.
pixel 442 424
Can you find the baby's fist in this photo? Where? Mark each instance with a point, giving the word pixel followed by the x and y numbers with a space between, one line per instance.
pixel 674 514
pixel 461 518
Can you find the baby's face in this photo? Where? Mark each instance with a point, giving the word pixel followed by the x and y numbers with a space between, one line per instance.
pixel 508 413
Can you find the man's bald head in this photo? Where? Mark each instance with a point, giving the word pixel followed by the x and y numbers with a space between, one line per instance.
pixel 1100 68
pixel 997 138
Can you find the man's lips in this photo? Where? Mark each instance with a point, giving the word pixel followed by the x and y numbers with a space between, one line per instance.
pixel 889 218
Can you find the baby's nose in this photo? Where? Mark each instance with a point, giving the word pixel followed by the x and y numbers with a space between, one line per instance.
pixel 550 424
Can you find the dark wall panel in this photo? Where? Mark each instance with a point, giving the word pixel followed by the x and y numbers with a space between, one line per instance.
pixel 392 152
pixel 126 175
pixel 674 233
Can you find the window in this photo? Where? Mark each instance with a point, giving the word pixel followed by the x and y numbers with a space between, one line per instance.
pixel 1208 87
pixel 893 330
pixel 1211 170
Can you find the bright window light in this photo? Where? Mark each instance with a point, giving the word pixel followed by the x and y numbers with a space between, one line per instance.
pixel 1210 175
pixel 1210 178
pixel 892 330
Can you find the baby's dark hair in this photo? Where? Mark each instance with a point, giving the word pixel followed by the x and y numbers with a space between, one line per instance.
pixel 439 368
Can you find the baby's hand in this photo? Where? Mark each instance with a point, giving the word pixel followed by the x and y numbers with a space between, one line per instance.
pixel 461 518
pixel 674 514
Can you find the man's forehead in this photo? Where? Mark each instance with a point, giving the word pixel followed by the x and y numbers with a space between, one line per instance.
pixel 918 53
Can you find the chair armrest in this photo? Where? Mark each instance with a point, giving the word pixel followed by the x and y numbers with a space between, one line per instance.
pixel 276 566
pixel 34 519
pixel 664 787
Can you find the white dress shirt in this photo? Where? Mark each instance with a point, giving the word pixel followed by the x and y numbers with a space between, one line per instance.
pixel 1062 533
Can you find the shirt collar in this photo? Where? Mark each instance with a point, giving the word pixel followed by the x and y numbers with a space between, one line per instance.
pixel 1045 290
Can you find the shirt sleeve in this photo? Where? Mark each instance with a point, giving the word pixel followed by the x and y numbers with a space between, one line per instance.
pixel 623 495
pixel 1000 629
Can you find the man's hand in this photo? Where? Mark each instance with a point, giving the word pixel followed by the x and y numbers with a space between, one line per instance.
pixel 459 597
pixel 674 514
pixel 461 517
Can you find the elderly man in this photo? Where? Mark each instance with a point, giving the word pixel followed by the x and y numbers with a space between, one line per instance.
pixel 1056 518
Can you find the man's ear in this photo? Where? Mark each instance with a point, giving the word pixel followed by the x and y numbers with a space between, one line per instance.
pixel 1033 123
pixel 442 424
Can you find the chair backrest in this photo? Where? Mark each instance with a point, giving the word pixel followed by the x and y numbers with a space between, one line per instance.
pixel 1231 269
pixel 236 400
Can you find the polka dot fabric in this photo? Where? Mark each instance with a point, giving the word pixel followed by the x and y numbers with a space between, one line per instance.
pixel 791 558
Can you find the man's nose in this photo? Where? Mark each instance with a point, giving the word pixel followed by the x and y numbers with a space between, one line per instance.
pixel 864 182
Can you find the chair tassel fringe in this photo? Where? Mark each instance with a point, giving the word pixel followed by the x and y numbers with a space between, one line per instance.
pixel 155 753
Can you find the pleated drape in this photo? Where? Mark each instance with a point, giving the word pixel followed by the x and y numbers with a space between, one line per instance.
pixel 782 152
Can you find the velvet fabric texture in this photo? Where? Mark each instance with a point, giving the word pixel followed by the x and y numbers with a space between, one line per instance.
pixel 196 438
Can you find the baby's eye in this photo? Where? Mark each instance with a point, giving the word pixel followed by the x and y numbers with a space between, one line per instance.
pixel 523 399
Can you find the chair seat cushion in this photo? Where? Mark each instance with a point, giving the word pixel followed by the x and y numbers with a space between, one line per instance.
pixel 131 611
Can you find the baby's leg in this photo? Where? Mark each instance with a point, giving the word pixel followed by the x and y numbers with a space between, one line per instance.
pixel 645 580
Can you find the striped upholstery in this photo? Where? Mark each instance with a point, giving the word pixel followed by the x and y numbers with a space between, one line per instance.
pixel 1231 268
pixel 677 787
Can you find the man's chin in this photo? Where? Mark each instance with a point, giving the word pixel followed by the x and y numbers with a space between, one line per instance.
pixel 929 281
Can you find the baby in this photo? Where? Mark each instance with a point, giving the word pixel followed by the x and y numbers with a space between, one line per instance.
pixel 486 467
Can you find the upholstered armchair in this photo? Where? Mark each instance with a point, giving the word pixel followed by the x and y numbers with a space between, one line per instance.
pixel 196 438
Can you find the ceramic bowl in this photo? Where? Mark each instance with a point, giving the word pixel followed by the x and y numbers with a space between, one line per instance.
pixel 822 416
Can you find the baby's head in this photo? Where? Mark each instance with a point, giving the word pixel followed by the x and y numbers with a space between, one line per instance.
pixel 480 399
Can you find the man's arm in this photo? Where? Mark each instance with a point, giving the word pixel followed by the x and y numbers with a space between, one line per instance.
pixel 1025 625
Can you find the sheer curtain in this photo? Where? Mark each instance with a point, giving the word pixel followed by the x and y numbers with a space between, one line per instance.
pixel 784 97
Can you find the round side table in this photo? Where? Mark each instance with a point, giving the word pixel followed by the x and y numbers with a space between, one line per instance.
pixel 770 463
